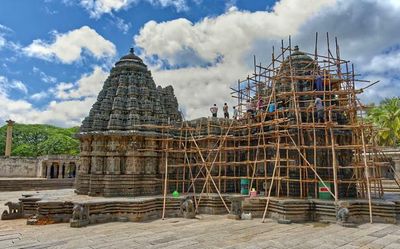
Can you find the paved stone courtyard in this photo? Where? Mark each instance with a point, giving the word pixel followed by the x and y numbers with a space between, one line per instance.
pixel 205 232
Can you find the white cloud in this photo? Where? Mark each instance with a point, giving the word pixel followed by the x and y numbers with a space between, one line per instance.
pixel 97 8
pixel 385 62
pixel 179 5
pixel 89 85
pixel 16 84
pixel 122 25
pixel 39 96
pixel 71 104
pixel 2 42
pixel 224 42
pixel 60 113
pixel 3 31
pixel 4 28
pixel 43 76
pixel 68 47
pixel 229 35
pixel 6 85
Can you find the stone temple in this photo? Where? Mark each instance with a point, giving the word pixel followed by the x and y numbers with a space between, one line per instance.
pixel 291 160
pixel 113 161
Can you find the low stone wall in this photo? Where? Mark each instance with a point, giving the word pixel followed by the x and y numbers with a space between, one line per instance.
pixel 102 210
pixel 35 184
pixel 19 167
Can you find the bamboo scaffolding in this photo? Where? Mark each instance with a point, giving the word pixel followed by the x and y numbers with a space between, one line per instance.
pixel 215 154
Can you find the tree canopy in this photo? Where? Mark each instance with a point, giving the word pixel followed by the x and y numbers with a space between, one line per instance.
pixel 37 140
pixel 386 116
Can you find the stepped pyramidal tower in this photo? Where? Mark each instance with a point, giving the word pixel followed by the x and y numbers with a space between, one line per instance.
pixel 116 136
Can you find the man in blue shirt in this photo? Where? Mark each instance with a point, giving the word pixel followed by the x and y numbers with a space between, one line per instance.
pixel 319 85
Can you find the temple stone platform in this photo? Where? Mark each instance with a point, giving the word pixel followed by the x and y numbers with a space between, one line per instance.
pixel 26 183
pixel 83 210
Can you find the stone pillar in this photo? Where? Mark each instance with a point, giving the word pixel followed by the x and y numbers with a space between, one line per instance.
pixel 60 170
pixel 57 170
pixel 10 124
pixel 43 166
pixel 48 169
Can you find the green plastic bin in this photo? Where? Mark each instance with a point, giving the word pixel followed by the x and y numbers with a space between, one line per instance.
pixel 244 186
pixel 323 192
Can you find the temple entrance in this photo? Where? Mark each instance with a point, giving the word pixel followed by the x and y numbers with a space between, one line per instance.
pixel 71 172
pixel 63 171
pixel 52 171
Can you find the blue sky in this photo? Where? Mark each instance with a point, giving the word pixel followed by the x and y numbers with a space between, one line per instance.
pixel 55 55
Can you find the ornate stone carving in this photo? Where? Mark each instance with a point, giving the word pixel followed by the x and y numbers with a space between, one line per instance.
pixel 80 216
pixel 342 214
pixel 187 208
pixel 15 211
pixel 85 165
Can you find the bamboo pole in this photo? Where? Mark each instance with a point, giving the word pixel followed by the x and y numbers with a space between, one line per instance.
pixel 165 180
pixel 366 170
pixel 277 156
pixel 315 172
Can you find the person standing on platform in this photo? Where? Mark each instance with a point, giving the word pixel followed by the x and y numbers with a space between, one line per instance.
pixel 319 84
pixel 249 109
pixel 214 110
pixel 271 110
pixel 320 110
pixel 226 110
pixel 235 113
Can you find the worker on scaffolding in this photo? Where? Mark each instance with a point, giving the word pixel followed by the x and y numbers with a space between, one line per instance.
pixel 310 112
pixel 249 109
pixel 226 110
pixel 319 83
pixel 271 109
pixel 214 110
pixel 320 109
pixel 260 108
pixel 235 113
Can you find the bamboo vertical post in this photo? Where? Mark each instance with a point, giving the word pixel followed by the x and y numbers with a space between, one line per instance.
pixel 165 180
pixel 272 180
pixel 366 170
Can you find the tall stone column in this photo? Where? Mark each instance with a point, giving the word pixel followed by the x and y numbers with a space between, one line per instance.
pixel 10 124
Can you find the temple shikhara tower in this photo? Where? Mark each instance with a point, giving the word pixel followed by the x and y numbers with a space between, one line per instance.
pixel 115 155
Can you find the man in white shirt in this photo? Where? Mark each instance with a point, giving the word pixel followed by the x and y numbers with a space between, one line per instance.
pixel 235 113
pixel 320 109
pixel 214 110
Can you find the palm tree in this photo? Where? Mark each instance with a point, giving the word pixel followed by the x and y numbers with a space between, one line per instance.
pixel 386 117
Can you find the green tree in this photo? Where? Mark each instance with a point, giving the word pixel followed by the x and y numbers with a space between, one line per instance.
pixel 36 140
pixel 59 144
pixel 386 117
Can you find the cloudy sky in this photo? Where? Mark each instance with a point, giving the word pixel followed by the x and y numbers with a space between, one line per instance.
pixel 55 54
